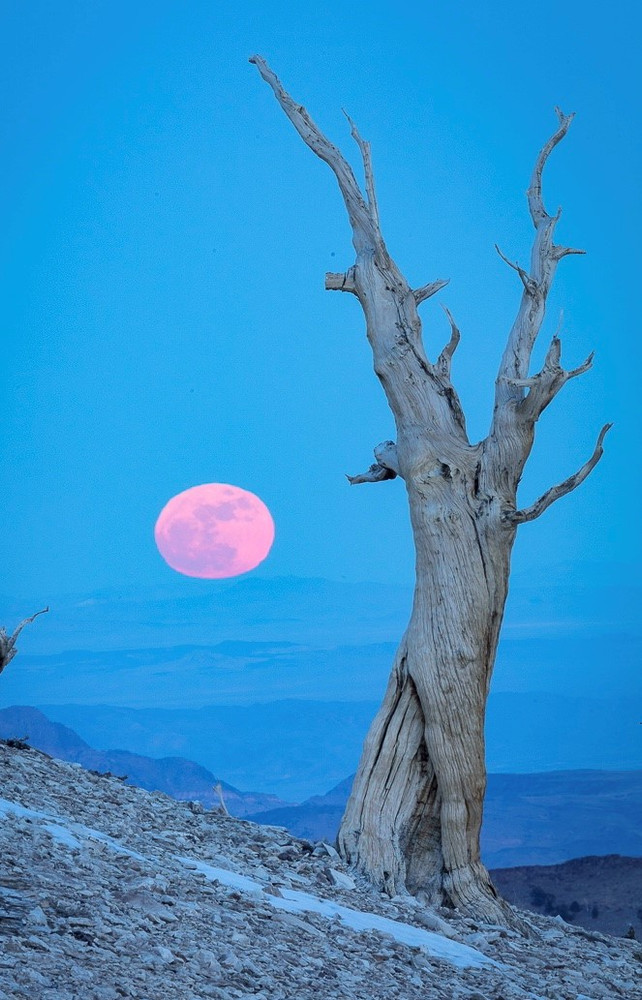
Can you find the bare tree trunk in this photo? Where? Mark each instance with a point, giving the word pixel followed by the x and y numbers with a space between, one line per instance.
pixel 426 746
pixel 414 816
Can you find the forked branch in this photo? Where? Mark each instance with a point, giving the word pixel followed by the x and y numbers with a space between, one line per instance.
pixel 366 156
pixel 544 386
pixel 364 222
pixel 561 490
pixel 512 377
pixel 526 281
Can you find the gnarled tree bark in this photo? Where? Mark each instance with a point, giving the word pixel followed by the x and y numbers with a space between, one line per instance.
pixel 414 816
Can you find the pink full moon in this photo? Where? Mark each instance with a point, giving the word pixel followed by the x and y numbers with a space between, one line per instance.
pixel 214 531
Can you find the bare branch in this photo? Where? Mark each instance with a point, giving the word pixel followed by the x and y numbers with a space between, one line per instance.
pixel 366 156
pixel 8 643
pixel 559 252
pixel 527 281
pixel 584 367
pixel 556 492
pixel 445 358
pixel 425 292
pixel 364 226
pixel 513 378
pixel 534 193
pixel 340 281
pixel 385 467
pixel 27 621
pixel 547 383
pixel 393 325
pixel 375 474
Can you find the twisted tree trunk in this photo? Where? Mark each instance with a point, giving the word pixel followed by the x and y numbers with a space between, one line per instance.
pixel 414 816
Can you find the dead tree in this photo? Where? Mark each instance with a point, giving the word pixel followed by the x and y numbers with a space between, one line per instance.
pixel 414 816
pixel 8 642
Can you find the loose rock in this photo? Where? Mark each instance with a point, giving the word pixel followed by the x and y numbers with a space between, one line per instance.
pixel 107 891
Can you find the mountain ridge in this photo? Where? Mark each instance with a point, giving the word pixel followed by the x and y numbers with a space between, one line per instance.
pixel 543 818
pixel 535 819
pixel 182 779
pixel 289 747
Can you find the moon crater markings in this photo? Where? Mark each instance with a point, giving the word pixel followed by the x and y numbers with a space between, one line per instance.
pixel 214 531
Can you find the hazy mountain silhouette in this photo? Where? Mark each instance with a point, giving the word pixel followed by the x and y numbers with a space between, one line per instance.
pixel 297 748
pixel 529 819
pixel 558 621
pixel 180 778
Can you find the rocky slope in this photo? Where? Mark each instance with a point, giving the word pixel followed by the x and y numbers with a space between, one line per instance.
pixel 534 816
pixel 108 891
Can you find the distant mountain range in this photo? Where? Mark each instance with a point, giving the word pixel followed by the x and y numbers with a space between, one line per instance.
pixel 180 778
pixel 563 624
pixel 190 677
pixel 255 678
pixel 288 748
pixel 307 611
pixel 529 819
pixel 296 748
pixel 237 672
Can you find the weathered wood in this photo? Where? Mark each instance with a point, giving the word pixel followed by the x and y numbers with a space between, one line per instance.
pixel 340 282
pixel 414 816
pixel 8 642
pixel 562 489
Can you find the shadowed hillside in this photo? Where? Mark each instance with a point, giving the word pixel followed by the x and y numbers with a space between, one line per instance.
pixel 598 893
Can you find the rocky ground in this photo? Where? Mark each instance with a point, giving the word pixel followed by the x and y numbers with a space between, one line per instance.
pixel 108 891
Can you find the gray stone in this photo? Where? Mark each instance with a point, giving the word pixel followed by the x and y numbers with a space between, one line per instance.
pixel 103 923
pixel 341 880
pixel 323 848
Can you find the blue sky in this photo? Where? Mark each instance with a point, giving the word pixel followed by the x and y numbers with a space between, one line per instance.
pixel 166 235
